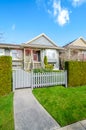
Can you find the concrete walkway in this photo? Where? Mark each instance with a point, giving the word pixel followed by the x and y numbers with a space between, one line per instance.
pixel 29 114
pixel 81 125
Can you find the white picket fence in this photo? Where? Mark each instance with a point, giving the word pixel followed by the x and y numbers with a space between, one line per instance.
pixel 22 79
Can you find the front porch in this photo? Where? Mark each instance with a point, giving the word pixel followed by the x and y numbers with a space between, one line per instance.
pixel 32 59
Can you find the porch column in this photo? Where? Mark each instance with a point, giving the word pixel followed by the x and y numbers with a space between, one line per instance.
pixel 57 63
pixel 32 61
pixel 42 58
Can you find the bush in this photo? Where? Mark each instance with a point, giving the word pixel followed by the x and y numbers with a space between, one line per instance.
pixel 45 60
pixel 41 70
pixel 38 70
pixel 5 75
pixel 45 70
pixel 76 73
pixel 49 66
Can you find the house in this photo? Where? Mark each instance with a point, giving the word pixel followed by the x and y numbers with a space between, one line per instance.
pixel 16 51
pixel 31 54
pixel 37 48
pixel 75 50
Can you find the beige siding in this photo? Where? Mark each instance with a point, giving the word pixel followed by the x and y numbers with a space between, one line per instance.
pixel 41 41
pixel 79 42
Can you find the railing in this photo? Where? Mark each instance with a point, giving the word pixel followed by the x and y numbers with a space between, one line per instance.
pixel 28 66
pixel 37 65
pixel 22 79
pixel 52 60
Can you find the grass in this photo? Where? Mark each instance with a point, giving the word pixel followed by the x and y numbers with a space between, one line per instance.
pixel 6 112
pixel 66 105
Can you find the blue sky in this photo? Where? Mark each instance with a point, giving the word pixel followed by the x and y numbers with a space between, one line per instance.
pixel 61 20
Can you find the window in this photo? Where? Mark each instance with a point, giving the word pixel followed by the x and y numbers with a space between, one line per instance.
pixel 35 56
pixel 1 52
pixel 28 52
pixel 51 54
pixel 17 54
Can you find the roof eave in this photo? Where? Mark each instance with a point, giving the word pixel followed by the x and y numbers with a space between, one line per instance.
pixel 9 46
pixel 43 47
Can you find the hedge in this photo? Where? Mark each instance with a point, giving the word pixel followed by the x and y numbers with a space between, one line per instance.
pixel 5 75
pixel 76 73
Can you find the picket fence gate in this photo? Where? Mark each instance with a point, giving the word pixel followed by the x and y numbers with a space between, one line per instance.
pixel 23 79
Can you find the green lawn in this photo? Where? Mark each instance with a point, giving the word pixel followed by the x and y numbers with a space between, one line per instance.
pixel 6 112
pixel 66 105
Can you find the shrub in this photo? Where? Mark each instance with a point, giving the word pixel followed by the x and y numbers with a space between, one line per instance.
pixel 76 73
pixel 5 75
pixel 38 70
pixel 49 66
pixel 45 60
pixel 45 70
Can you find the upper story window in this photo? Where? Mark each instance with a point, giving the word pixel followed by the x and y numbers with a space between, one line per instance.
pixel 16 54
pixel 1 52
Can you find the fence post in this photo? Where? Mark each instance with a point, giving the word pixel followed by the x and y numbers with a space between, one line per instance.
pixel 32 79
pixel 66 78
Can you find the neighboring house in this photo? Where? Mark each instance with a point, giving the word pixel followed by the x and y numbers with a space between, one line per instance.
pixel 31 54
pixel 75 50
pixel 16 51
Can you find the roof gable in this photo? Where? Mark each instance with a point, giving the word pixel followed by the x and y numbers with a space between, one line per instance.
pixel 80 42
pixel 41 40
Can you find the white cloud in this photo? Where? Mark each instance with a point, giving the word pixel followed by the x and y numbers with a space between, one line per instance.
pixel 54 8
pixel 13 27
pixel 78 2
pixel 61 15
